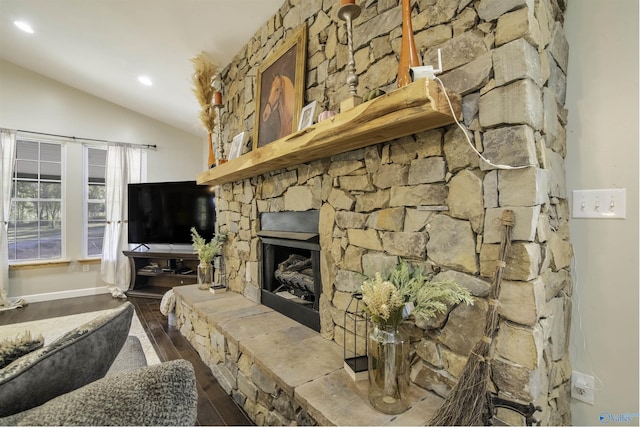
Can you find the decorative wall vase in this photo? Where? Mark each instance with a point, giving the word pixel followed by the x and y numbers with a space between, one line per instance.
pixel 205 275
pixel 388 369
pixel 212 156
pixel 408 52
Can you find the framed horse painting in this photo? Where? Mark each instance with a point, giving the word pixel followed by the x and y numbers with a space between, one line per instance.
pixel 280 90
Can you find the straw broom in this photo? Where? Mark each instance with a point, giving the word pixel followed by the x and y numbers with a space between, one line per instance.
pixel 202 79
pixel 467 402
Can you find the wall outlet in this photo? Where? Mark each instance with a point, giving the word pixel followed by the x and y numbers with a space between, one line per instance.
pixel 603 204
pixel 582 387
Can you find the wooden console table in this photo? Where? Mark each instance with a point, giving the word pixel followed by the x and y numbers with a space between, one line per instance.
pixel 174 268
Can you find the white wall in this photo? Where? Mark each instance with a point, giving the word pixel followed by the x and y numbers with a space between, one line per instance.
pixel 602 99
pixel 30 101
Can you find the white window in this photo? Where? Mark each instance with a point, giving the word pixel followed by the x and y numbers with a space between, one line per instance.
pixel 35 223
pixel 95 173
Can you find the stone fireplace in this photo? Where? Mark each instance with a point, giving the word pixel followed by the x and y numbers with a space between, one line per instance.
pixel 429 198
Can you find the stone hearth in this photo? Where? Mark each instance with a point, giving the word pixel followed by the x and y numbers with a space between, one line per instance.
pixel 279 371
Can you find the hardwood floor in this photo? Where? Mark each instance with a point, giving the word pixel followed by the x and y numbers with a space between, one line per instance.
pixel 215 407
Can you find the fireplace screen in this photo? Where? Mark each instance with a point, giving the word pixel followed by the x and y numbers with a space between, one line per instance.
pixel 291 282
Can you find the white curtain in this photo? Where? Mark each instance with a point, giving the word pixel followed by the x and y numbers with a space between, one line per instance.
pixel 124 166
pixel 7 156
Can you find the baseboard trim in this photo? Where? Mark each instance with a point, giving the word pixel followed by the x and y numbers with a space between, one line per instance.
pixel 52 296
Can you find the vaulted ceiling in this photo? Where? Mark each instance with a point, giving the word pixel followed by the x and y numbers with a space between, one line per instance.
pixel 102 46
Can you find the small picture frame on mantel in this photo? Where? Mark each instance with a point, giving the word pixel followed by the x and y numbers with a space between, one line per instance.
pixel 237 144
pixel 306 115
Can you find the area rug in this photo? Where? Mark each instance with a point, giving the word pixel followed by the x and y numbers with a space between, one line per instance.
pixel 53 328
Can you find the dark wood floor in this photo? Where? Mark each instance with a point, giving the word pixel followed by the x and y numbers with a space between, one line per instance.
pixel 215 407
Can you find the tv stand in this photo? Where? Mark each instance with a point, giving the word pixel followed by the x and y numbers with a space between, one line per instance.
pixel 155 272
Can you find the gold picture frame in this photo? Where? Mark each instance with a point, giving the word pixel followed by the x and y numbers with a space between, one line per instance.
pixel 283 74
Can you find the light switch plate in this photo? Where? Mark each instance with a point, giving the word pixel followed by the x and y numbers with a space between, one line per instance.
pixel 603 204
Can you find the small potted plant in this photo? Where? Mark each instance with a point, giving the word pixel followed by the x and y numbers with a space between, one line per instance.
pixel 206 253
pixel 388 302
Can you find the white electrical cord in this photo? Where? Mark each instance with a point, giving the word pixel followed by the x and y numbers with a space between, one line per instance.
pixel 498 166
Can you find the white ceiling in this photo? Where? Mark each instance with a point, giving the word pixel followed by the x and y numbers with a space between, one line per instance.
pixel 102 46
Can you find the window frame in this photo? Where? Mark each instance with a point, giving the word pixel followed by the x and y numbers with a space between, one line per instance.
pixel 61 200
pixel 86 200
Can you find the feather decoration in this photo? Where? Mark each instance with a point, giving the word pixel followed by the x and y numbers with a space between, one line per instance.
pixel 202 79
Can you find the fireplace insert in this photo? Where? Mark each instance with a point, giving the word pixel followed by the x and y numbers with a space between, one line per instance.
pixel 291 282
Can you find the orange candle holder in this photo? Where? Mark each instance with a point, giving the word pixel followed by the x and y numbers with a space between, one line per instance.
pixel 217 99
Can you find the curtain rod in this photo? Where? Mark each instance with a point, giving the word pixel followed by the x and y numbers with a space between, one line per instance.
pixel 88 139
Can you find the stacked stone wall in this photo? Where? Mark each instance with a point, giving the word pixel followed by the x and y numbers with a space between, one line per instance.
pixel 429 197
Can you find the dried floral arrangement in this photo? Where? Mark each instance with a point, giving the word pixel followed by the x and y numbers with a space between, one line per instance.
pixel 203 77
pixel 408 291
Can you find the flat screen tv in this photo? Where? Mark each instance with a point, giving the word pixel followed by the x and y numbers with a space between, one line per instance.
pixel 164 212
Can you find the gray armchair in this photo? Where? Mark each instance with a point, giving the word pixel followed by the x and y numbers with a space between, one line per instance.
pixel 97 375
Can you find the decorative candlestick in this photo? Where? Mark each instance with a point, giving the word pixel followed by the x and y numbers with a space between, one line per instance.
pixel 217 104
pixel 348 12
pixel 218 107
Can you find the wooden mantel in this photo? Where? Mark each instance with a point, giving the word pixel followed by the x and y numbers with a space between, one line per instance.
pixel 414 108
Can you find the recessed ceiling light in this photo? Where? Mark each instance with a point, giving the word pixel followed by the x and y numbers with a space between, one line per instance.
pixel 24 26
pixel 145 80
